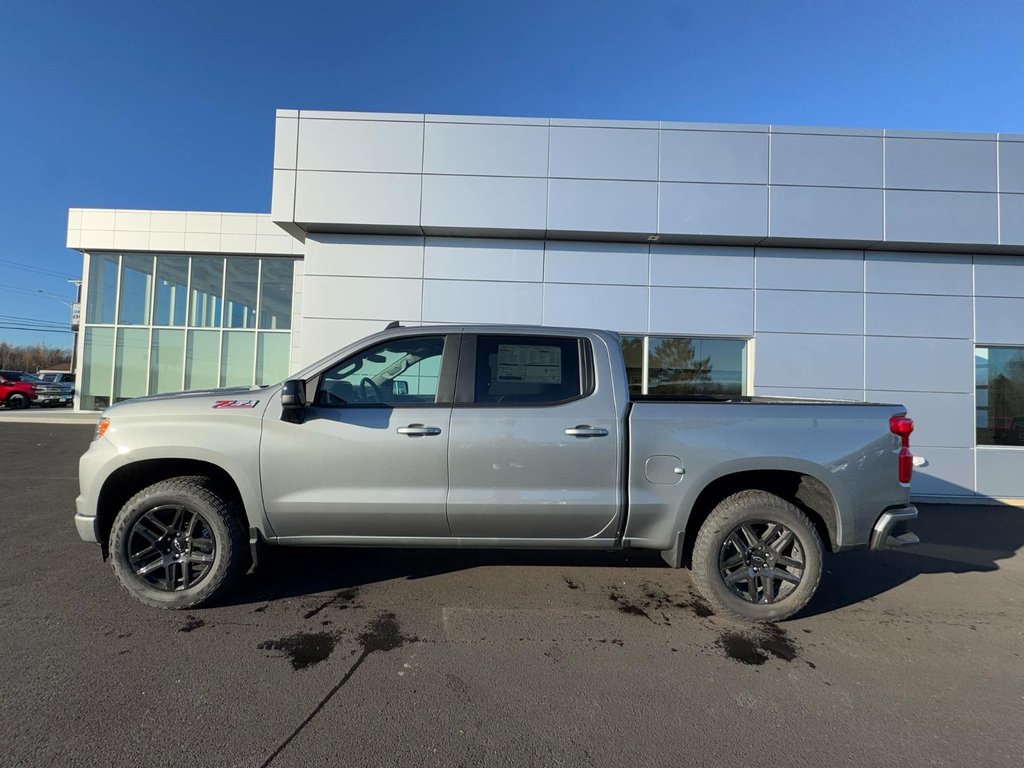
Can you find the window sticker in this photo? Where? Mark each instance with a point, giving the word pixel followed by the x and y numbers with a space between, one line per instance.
pixel 529 364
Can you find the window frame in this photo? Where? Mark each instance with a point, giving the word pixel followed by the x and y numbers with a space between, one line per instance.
pixel 993 446
pixel 746 362
pixel 465 386
pixel 444 397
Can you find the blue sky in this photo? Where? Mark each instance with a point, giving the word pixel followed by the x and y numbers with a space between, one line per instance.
pixel 170 105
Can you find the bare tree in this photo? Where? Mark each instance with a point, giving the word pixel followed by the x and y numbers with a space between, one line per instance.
pixel 33 357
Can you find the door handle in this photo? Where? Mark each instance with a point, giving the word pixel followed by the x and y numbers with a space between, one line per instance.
pixel 418 430
pixel 585 430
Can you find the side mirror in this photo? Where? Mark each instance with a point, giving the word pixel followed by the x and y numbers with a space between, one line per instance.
pixel 293 400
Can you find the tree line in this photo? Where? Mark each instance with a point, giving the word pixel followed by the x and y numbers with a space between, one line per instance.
pixel 33 357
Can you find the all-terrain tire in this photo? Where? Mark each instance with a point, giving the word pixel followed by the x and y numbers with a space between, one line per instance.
pixel 223 522
pixel 754 508
pixel 17 401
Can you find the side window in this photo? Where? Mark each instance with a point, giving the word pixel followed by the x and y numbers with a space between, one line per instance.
pixel 397 372
pixel 513 370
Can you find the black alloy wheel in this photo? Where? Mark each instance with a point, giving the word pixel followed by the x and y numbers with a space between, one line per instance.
pixel 17 401
pixel 761 562
pixel 171 548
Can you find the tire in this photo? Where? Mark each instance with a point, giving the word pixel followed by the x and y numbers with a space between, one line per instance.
pixel 754 596
pixel 196 554
pixel 17 401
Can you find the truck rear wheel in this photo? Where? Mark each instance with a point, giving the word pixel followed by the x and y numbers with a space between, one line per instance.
pixel 757 558
pixel 177 544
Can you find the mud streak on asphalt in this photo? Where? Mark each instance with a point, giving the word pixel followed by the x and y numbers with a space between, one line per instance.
pixel 383 634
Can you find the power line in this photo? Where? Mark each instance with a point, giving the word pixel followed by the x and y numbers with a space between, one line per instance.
pixel 35 329
pixel 22 317
pixel 41 270
pixel 31 291
pixel 49 327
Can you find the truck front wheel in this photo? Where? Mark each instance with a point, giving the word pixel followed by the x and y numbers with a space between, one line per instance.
pixel 757 558
pixel 177 544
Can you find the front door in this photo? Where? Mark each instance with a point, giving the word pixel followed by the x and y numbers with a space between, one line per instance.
pixel 534 444
pixel 370 458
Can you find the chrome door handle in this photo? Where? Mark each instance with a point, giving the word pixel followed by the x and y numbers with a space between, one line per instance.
pixel 418 430
pixel 585 430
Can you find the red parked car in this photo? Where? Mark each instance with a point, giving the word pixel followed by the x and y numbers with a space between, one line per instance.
pixel 15 393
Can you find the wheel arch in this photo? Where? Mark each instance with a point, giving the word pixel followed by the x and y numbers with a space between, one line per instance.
pixel 802 489
pixel 127 480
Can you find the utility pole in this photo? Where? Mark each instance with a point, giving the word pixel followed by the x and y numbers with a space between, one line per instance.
pixel 76 315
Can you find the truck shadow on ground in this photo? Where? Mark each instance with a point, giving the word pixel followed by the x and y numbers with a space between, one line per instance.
pixel 955 539
pixel 286 572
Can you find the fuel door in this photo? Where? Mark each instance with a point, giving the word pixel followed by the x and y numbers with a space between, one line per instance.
pixel 664 470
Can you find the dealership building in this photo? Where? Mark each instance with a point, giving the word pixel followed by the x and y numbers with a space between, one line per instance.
pixel 746 259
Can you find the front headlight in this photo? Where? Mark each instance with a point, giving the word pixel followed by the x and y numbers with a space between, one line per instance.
pixel 101 428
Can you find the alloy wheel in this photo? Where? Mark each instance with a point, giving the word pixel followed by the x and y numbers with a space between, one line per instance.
pixel 761 562
pixel 171 548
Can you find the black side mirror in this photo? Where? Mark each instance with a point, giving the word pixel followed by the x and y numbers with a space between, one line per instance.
pixel 293 400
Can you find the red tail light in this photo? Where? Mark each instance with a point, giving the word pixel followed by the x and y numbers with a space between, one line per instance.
pixel 901 426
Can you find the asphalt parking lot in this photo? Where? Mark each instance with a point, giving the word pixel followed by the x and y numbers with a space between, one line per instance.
pixel 411 658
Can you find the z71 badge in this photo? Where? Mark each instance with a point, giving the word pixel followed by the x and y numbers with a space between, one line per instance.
pixel 235 404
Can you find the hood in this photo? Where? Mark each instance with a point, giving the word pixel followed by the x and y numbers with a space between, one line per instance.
pixel 241 394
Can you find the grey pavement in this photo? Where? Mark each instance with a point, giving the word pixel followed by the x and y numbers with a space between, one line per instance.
pixel 448 658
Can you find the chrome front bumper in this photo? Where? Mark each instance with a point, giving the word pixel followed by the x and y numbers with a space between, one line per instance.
pixel 890 531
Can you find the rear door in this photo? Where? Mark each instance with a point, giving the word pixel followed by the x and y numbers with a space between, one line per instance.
pixel 533 450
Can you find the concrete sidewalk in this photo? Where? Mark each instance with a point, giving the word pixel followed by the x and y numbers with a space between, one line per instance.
pixel 48 416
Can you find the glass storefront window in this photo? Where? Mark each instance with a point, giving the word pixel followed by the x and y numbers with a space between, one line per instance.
pixel 131 363
pixel 136 289
pixel 166 361
pixel 202 361
pixel 237 358
pixel 999 395
pixel 276 294
pixel 240 293
pixel 272 357
pixel 682 365
pixel 143 297
pixel 102 296
pixel 171 290
pixel 205 296
pixel 97 368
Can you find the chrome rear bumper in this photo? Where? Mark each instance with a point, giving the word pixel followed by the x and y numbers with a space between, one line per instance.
pixel 890 531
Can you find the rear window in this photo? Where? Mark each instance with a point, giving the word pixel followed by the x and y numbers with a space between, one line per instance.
pixel 513 370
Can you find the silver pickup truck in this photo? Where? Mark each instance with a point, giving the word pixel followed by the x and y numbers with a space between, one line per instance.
pixel 493 436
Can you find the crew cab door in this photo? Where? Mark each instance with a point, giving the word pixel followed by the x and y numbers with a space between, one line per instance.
pixel 534 449
pixel 370 458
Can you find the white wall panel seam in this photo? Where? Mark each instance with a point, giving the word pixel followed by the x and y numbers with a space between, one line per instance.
pixel 999 216
pixel 295 179
pixel 649 289
pixel 864 318
pixel 885 233
pixel 657 221
pixel 423 240
pixel 974 336
pixel 768 206
pixel 547 199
